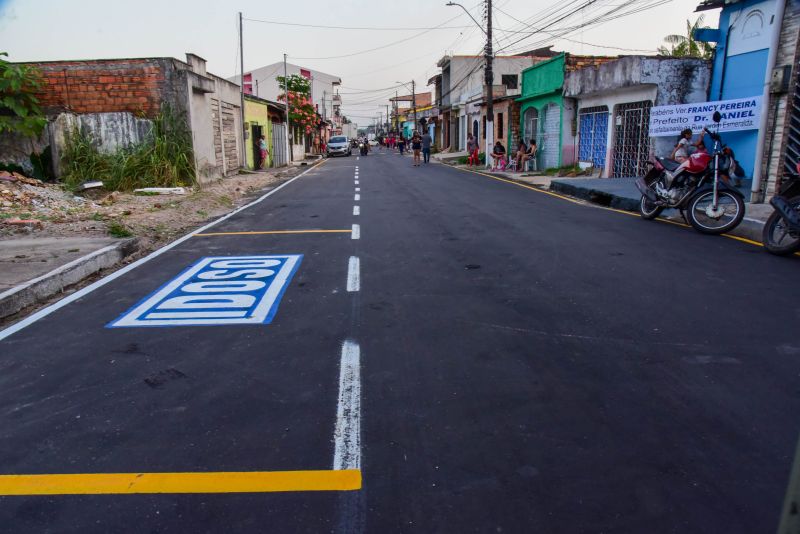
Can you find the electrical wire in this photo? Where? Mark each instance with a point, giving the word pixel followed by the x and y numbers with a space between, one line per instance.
pixel 367 28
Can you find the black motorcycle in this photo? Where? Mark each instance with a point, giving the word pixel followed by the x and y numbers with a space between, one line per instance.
pixel 709 204
pixel 363 148
pixel 781 234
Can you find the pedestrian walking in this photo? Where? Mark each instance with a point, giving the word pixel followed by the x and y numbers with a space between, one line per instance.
pixel 401 144
pixel 263 152
pixel 427 141
pixel 416 146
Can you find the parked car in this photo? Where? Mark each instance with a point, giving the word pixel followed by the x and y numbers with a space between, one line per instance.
pixel 338 146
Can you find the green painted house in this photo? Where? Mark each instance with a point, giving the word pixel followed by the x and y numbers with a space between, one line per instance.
pixel 545 115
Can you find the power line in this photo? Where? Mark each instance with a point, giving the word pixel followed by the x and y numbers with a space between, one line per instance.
pixel 368 28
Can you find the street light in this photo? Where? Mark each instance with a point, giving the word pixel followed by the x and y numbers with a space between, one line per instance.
pixel 413 99
pixel 489 76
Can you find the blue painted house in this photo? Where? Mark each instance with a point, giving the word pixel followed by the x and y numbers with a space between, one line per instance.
pixel 741 60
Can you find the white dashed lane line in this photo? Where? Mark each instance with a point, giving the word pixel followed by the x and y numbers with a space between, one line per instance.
pixel 347 434
pixel 356 232
pixel 357 197
pixel 354 275
pixel 356 210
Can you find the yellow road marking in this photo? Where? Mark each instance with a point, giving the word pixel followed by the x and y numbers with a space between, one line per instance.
pixel 276 232
pixel 223 482
pixel 575 201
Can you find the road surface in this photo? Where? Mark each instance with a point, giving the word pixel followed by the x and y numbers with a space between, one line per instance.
pixel 421 350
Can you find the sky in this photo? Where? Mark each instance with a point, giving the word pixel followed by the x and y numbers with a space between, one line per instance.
pixel 406 50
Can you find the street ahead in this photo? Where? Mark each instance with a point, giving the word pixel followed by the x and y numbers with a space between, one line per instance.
pixel 463 355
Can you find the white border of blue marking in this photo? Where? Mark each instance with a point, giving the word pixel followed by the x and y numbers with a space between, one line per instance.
pixel 262 313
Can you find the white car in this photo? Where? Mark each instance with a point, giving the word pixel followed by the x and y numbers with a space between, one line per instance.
pixel 338 146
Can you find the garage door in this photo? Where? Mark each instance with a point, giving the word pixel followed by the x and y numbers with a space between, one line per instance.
pixel 550 136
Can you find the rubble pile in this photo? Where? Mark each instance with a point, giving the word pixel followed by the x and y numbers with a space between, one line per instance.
pixel 23 198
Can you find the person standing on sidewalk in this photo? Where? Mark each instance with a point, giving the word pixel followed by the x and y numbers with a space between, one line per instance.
pixel 401 144
pixel 427 141
pixel 263 152
pixel 472 151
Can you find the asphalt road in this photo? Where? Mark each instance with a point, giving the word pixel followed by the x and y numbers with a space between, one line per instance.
pixel 517 363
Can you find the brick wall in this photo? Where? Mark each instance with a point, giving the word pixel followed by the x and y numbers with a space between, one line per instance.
pixel 581 62
pixel 134 85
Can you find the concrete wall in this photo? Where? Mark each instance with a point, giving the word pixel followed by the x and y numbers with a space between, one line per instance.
pixel 660 80
pixel 776 163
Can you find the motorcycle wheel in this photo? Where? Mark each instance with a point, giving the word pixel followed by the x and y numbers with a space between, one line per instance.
pixel 648 210
pixel 776 236
pixel 733 212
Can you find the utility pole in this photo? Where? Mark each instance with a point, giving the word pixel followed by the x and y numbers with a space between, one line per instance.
pixel 396 117
pixel 414 102
pixel 286 103
pixel 388 121
pixel 489 84
pixel 243 152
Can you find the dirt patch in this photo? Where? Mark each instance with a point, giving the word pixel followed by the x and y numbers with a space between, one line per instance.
pixel 48 210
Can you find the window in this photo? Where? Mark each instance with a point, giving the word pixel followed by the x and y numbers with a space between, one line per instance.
pixel 499 125
pixel 509 80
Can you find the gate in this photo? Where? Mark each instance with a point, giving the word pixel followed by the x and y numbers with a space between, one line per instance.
pixel 278 144
pixel 593 132
pixel 631 138
pixel 549 145
pixel 256 131
pixel 792 156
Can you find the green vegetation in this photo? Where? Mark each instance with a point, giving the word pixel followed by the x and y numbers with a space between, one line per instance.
pixel 164 159
pixel 19 108
pixel 116 229
pixel 687 45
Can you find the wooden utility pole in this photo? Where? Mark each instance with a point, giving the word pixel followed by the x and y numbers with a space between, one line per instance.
pixel 489 83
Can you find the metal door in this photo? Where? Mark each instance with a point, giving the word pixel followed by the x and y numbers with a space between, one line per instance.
pixel 631 138
pixel 593 132
pixel 549 146
pixel 278 144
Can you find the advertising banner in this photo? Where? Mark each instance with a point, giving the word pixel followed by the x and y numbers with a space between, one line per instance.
pixel 738 114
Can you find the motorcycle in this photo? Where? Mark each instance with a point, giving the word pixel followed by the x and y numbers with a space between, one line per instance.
pixel 781 234
pixel 363 148
pixel 713 206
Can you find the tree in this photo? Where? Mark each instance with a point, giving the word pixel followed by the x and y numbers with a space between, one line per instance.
pixel 301 109
pixel 20 112
pixel 687 45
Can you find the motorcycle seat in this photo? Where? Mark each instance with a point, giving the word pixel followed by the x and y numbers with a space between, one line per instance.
pixel 669 164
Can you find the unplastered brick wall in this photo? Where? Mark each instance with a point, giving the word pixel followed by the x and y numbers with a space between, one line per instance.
pixel 581 62
pixel 138 86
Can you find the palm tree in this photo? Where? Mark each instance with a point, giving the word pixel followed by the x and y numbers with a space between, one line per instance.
pixel 687 45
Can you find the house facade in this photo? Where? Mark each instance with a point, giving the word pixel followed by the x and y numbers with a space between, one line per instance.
pixel 263 117
pixel 114 101
pixel 613 101
pixel 545 115
pixel 461 87
pixel 755 56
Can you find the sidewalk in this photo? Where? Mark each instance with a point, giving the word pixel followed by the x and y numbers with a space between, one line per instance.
pixel 621 193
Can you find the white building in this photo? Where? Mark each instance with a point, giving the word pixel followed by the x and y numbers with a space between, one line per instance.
pixel 462 92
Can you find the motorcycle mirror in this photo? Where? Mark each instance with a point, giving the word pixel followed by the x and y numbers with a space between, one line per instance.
pixel 717 117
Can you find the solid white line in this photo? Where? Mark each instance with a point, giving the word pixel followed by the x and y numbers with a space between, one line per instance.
pixel 356 210
pixel 356 197
pixel 356 233
pixel 44 312
pixel 347 433
pixel 354 275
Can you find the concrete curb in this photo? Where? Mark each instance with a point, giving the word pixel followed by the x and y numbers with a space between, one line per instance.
pixel 748 229
pixel 47 285
pixel 603 198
